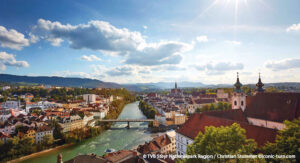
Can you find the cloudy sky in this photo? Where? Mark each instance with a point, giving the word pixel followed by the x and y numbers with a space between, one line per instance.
pixel 138 41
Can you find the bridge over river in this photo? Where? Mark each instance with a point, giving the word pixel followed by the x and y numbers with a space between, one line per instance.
pixel 126 120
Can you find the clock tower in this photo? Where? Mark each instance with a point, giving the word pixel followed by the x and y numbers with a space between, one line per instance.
pixel 238 97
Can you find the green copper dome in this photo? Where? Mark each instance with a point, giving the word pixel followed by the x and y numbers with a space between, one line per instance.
pixel 238 84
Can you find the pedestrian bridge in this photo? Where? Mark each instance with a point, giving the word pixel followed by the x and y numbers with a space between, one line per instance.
pixel 126 120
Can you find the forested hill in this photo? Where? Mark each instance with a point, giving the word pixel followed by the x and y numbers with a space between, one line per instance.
pixel 57 81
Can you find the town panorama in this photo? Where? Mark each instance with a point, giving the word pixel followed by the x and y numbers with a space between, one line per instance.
pixel 149 81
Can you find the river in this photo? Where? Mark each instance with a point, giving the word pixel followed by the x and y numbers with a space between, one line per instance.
pixel 118 137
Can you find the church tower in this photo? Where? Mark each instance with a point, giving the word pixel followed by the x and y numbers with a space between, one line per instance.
pixel 175 85
pixel 259 86
pixel 238 97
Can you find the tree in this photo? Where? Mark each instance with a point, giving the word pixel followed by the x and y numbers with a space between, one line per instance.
pixel 220 106
pixel 212 106
pixel 205 108
pixel 47 140
pixel 246 89
pixel 26 145
pixel 228 140
pixel 57 132
pixel 271 89
pixel 287 141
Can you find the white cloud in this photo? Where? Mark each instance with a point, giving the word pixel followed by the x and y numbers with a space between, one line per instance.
pixel 285 64
pixel 96 35
pixel 145 27
pixel 159 53
pixel 12 39
pixel 33 38
pixel 294 27
pixel 55 41
pixel 202 39
pixel 10 60
pixel 121 71
pixel 90 58
pixel 219 68
pixel 233 42
pixel 168 68
pixel 100 35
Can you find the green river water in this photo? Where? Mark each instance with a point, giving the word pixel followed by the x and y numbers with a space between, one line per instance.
pixel 118 137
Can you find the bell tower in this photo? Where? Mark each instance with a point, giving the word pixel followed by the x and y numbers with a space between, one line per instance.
pixel 259 85
pixel 238 97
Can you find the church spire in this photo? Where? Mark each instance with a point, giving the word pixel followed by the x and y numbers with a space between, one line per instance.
pixel 238 85
pixel 175 85
pixel 259 85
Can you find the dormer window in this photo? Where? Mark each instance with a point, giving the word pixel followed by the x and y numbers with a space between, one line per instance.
pixel 242 103
pixel 235 103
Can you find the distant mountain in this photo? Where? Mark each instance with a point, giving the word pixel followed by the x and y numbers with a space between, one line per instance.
pixel 93 83
pixel 184 84
pixel 161 85
pixel 57 81
pixel 289 86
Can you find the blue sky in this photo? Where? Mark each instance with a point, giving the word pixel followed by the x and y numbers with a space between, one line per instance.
pixel 138 41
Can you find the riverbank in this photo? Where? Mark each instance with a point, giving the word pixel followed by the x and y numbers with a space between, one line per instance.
pixel 37 154
pixel 80 135
pixel 118 138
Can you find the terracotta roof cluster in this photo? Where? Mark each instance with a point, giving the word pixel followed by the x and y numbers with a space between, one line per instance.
pixel 151 95
pixel 232 114
pixel 44 128
pixel 155 145
pixel 90 158
pixel 24 119
pixel 273 106
pixel 204 101
pixel 199 121
pixel 122 156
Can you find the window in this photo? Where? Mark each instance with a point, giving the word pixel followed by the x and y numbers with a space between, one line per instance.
pixel 235 103
pixel 242 103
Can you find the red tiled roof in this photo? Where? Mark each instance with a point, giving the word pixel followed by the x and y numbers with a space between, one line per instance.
pixel 155 145
pixel 198 122
pixel 44 128
pixel 120 155
pixel 204 101
pixel 232 114
pixel 273 106
pixel 151 95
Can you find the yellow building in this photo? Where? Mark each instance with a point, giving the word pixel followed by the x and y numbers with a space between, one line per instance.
pixel 29 133
pixel 179 119
pixel 71 123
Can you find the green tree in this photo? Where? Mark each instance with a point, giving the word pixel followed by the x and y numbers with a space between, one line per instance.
pixel 57 132
pixel 212 106
pixel 220 106
pixel 26 146
pixel 205 108
pixel 272 89
pixel 228 140
pixel 287 141
pixel 47 141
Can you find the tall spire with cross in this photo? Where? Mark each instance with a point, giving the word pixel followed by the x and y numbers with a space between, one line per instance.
pixel 238 85
pixel 259 85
